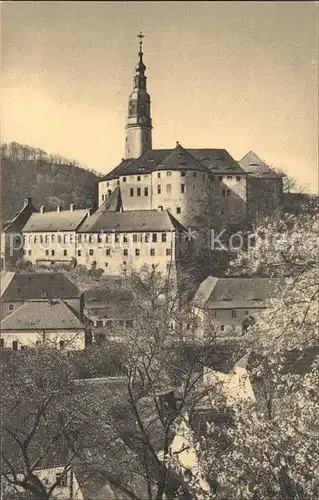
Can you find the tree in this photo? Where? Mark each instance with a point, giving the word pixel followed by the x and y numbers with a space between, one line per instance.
pixel 43 412
pixel 271 448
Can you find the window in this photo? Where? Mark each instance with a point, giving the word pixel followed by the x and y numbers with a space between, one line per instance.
pixel 65 239
pixel 168 174
pixel 152 252
pixel 106 238
pixel 138 192
pixel 163 237
pixel 79 238
pixel 212 177
pixel 30 239
pixel 147 238
pixel 131 191
pixel 138 177
pixel 24 252
pixel 220 178
pixel 38 342
pixel 168 188
pixel 214 314
pixel 125 238
pixel 65 253
pixel 140 238
pixel 90 238
pixel 229 177
pixel 238 178
pixel 125 252
pixel 53 238
pixel 117 238
pixel 134 238
pixel 10 307
pixel 103 196
pixel 224 193
pixel 234 314
pixel 228 193
pixel 15 345
pixel 178 210
pixel 183 174
pixel 154 237
pixel 108 251
pixel 182 188
pixel 159 189
pixel 61 478
pixel 99 238
pixel 41 239
pixel 146 191
pixel 1 342
pixel 107 184
pixel 47 252
pixel 159 175
pixel 30 252
pixel 52 253
pixel 62 344
pixel 35 239
pixel 194 174
pixel 117 182
pixel 168 251
pixel 91 251
pixel 124 179
pixel 79 253
pixel 137 252
pixel 168 266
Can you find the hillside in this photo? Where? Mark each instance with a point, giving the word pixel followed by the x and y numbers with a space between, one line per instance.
pixel 49 180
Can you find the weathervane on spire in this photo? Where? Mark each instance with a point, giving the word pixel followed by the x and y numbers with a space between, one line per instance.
pixel 141 36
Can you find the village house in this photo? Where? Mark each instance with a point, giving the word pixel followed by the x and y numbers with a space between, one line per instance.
pixel 50 322
pixel 68 487
pixel 231 303
pixel 20 287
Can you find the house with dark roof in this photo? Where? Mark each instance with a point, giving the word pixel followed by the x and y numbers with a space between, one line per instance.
pixel 228 306
pixel 16 288
pixel 11 236
pixel 119 242
pixel 48 321
pixel 50 237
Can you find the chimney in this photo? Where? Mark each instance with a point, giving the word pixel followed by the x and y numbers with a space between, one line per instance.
pixel 27 201
pixel 42 208
pixel 177 143
pixel 72 207
pixel 58 208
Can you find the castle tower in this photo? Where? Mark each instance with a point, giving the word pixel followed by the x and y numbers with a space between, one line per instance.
pixel 138 138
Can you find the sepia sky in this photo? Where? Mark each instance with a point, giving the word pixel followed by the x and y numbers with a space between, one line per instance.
pixel 235 75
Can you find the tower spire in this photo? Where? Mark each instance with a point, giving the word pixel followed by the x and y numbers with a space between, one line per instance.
pixel 139 124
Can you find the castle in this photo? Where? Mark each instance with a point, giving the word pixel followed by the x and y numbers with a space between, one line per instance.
pixel 150 201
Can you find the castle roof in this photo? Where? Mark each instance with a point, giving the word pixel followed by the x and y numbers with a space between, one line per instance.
pixel 256 167
pixel 66 220
pixel 42 315
pixel 131 221
pixel 179 158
